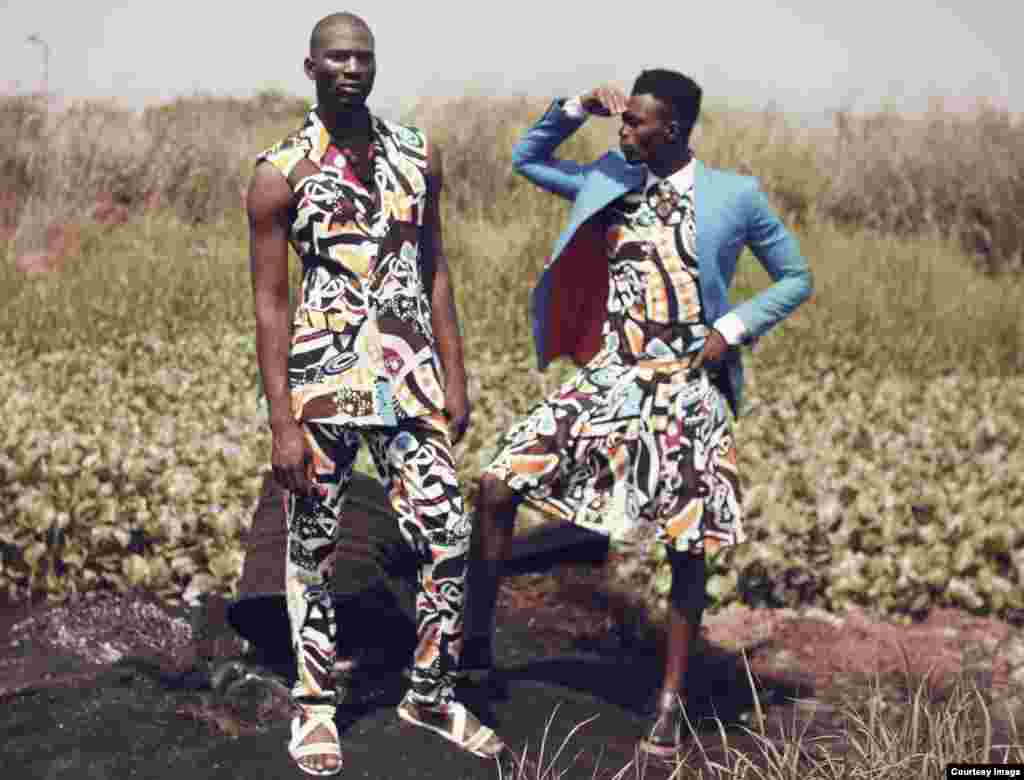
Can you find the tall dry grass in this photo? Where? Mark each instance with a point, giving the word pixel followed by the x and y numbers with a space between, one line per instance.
pixel 178 171
pixel 190 156
pixel 915 732
pixel 948 175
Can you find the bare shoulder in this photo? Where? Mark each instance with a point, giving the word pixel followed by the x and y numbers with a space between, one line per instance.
pixel 269 193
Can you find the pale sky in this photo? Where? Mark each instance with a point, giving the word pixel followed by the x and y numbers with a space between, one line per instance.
pixel 802 56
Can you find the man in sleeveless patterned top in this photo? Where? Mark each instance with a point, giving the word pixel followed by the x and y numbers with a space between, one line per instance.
pixel 372 354
pixel 638 444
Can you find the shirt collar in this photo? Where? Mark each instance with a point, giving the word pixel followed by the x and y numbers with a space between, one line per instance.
pixel 681 180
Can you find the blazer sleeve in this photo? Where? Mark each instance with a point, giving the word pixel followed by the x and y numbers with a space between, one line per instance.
pixel 779 253
pixel 533 155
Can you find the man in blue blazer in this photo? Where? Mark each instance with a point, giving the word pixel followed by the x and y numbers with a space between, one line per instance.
pixel 638 444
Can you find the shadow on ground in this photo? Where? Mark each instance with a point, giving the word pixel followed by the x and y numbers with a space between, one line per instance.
pixel 226 715
pixel 140 691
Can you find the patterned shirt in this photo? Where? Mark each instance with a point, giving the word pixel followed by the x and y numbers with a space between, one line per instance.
pixel 654 307
pixel 363 349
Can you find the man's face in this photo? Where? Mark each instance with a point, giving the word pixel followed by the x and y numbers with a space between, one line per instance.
pixel 343 66
pixel 647 129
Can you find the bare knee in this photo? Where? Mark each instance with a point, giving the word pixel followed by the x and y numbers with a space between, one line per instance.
pixel 495 495
pixel 498 504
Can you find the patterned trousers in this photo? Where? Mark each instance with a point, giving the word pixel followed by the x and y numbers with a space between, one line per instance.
pixel 415 464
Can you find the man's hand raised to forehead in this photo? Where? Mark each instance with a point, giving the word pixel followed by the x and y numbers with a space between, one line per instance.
pixel 606 100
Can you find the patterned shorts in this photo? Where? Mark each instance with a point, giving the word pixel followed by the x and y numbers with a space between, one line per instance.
pixel 631 450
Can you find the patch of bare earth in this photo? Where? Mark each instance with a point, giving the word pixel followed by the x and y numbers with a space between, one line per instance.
pixel 48 644
pixel 808 663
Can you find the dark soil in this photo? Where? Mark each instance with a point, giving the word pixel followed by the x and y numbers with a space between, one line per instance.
pixel 163 710
pixel 117 686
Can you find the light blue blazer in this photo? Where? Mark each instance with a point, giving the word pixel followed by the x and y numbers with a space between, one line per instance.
pixel 567 304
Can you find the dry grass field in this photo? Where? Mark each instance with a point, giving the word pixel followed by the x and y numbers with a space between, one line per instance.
pixel 881 451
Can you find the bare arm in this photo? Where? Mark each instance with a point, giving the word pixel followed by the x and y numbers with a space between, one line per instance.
pixel 268 203
pixel 445 319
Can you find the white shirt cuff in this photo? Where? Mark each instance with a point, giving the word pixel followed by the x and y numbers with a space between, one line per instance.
pixel 731 327
pixel 573 107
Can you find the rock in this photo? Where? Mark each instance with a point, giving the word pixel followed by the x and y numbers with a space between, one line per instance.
pixel 103 627
pixel 738 627
pixel 817 613
pixel 259 698
pixel 1013 652
pixel 784 659
pixel 62 239
pixel 59 241
pixel 37 263
pixel 107 212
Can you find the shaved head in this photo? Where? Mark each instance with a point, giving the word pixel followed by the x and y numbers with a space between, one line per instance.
pixel 344 20
pixel 342 63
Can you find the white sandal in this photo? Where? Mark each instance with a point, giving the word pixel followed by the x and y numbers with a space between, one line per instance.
pixel 315 715
pixel 453 723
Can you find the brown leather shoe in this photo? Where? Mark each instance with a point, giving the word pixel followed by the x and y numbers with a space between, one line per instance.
pixel 665 735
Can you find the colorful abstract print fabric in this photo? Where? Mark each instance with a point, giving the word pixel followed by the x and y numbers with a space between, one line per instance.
pixel 415 463
pixel 653 293
pixel 363 349
pixel 637 444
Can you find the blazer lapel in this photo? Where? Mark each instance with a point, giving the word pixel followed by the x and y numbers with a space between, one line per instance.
pixel 569 303
pixel 608 179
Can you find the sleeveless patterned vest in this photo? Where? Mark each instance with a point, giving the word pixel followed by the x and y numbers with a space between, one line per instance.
pixel 363 349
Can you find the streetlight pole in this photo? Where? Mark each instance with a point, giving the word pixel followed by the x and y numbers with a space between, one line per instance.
pixel 37 39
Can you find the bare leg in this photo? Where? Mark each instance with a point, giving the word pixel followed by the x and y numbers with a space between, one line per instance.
pixel 493 527
pixel 681 633
pixel 686 608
